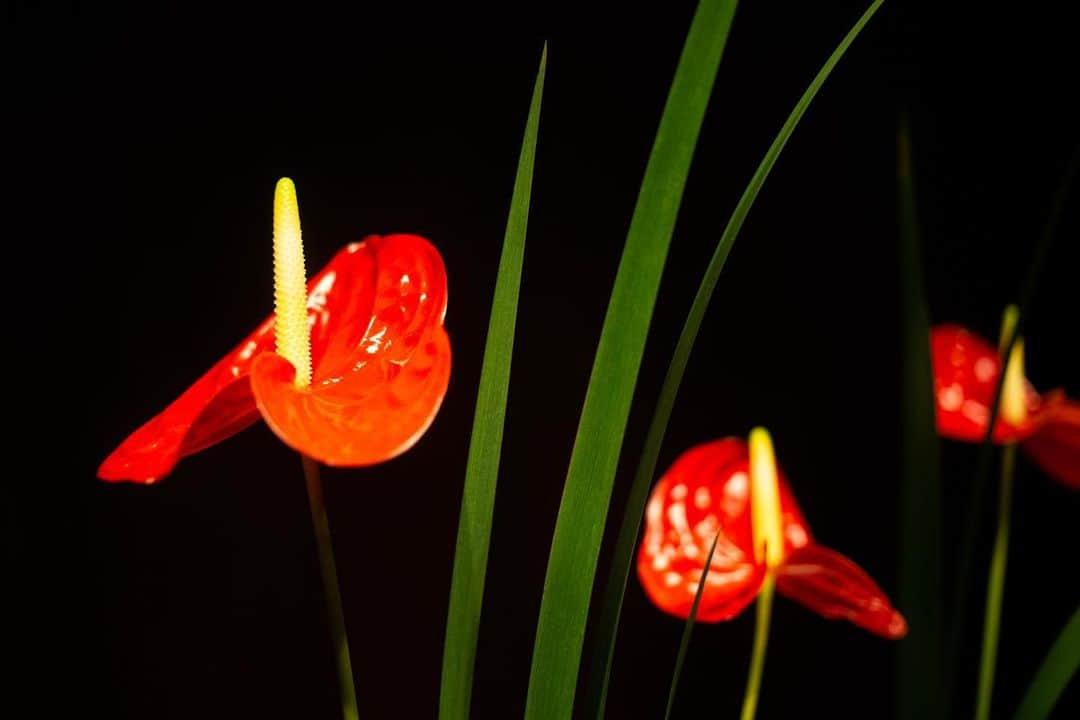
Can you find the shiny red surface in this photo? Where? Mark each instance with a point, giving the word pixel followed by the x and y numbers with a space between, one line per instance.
pixel 834 587
pixel 966 369
pixel 380 359
pixel 706 492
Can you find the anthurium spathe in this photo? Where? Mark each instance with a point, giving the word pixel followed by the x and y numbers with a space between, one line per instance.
pixel 966 370
pixel 350 370
pixel 706 494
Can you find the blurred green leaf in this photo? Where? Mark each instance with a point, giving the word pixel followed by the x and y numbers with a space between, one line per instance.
pixel 587 492
pixel 1054 674
pixel 608 626
pixel 919 666
pixel 684 643
pixel 481 473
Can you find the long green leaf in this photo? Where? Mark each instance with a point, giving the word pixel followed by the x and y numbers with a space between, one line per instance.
pixel 587 493
pixel 1053 676
pixel 684 643
pixel 481 473
pixel 635 506
pixel 919 667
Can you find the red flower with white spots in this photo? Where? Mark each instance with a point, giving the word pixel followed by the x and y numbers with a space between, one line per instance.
pixel 966 369
pixel 706 494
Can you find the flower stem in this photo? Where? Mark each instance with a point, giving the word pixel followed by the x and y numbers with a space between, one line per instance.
pixel 761 640
pixel 331 588
pixel 995 586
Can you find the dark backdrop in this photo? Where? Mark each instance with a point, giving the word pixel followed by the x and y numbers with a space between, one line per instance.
pixel 149 145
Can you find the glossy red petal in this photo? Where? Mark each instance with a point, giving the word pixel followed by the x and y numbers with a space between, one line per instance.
pixel 833 586
pixel 1055 446
pixel 373 397
pixel 966 369
pixel 217 406
pixel 221 404
pixel 705 492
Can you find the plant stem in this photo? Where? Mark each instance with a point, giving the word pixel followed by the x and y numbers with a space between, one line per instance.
pixel 995 586
pixel 975 502
pixel 761 640
pixel 331 588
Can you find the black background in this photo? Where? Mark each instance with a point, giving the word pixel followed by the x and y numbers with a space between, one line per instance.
pixel 148 144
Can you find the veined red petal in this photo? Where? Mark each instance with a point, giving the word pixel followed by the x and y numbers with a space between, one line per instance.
pixel 374 395
pixel 835 587
pixel 221 404
pixel 706 492
pixel 1055 446
pixel 966 370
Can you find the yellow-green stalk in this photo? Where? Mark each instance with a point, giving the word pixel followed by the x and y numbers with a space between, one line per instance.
pixel 1013 392
pixel 765 500
pixel 768 537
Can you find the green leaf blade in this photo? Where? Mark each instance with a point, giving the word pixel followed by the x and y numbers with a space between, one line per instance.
pixel 684 642
pixel 920 668
pixel 1053 676
pixel 635 506
pixel 587 492
pixel 482 470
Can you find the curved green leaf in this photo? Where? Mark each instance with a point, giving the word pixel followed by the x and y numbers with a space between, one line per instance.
pixel 635 506
pixel 1053 676
pixel 482 471
pixel 920 692
pixel 580 526
pixel 684 643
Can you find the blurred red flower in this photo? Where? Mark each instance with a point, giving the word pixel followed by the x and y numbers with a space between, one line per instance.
pixel 706 494
pixel 966 369
pixel 380 367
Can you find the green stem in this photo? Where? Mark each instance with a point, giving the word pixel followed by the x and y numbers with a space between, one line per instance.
pixel 982 468
pixel 761 640
pixel 996 586
pixel 331 588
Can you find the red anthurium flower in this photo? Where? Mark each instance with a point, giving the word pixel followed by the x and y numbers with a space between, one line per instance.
pixel 379 365
pixel 966 369
pixel 707 494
